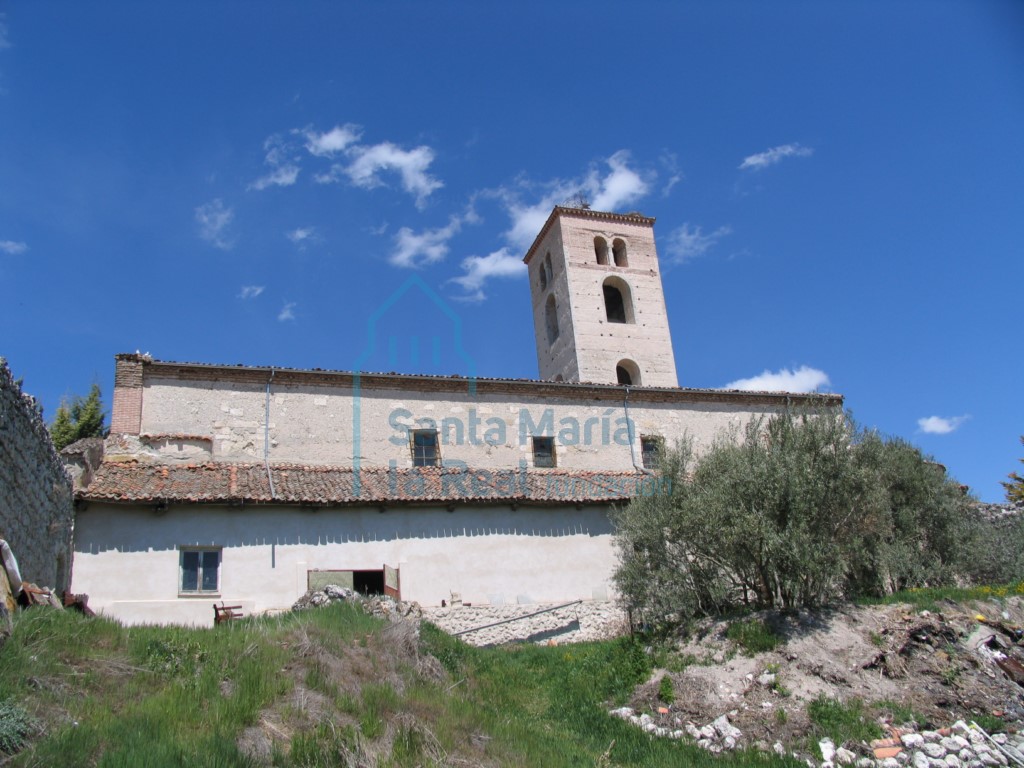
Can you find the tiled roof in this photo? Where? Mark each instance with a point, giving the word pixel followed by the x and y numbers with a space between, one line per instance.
pixel 226 483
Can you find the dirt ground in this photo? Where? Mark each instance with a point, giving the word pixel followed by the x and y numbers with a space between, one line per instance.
pixel 939 665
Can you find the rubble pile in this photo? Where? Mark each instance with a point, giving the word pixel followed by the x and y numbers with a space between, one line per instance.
pixel 961 746
pixel 956 663
pixel 381 606
pixel 317 598
pixel 384 607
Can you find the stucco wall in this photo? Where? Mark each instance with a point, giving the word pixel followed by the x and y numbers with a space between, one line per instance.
pixel 127 557
pixel 315 424
pixel 35 493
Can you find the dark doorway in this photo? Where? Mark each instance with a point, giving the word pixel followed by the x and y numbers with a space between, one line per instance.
pixel 368 582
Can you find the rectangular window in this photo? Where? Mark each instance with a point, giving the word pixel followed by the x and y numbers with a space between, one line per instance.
pixel 424 448
pixel 650 448
pixel 200 571
pixel 544 452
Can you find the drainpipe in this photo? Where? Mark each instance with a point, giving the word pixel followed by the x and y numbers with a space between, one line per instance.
pixel 266 437
pixel 629 427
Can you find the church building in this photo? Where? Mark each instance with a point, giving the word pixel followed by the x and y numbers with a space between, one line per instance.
pixel 250 484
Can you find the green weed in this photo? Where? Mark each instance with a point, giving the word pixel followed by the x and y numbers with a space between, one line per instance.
pixel 666 692
pixel 753 636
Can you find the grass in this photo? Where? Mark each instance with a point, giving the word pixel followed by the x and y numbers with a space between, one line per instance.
pixel 929 599
pixel 990 723
pixel 339 687
pixel 841 721
pixel 753 636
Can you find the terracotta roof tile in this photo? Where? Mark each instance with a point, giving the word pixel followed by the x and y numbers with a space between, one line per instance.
pixel 222 482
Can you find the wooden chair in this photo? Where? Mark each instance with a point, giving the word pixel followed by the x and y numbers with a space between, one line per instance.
pixel 222 613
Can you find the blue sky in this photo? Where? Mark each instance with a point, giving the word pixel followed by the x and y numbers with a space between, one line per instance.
pixel 838 187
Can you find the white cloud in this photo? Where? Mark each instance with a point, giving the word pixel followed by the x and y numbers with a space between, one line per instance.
pixel 940 425
pixel 286 312
pixel 689 241
pixel 301 234
pixel 362 164
pixel 284 176
pixel 774 155
pixel 284 165
pixel 414 250
pixel 214 219
pixel 528 219
pixel 250 291
pixel 479 269
pixel 13 247
pixel 410 164
pixel 803 379
pixel 336 140
pixel 671 165
pixel 5 41
pixel 619 187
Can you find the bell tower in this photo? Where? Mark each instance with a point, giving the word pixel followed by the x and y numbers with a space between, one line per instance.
pixel 598 305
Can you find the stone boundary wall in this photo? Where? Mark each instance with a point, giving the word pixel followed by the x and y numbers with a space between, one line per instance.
pixel 36 505
pixel 999 511
pixel 574 623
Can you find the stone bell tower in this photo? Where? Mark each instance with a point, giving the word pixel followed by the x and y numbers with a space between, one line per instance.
pixel 598 304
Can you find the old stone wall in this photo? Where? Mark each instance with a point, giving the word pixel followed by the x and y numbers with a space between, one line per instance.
pixel 315 424
pixel 36 512
pixel 490 624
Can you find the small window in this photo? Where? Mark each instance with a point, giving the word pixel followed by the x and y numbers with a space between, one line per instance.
pixel 650 450
pixel 627 372
pixel 601 250
pixel 199 571
pixel 544 452
pixel 547 267
pixel 543 278
pixel 551 319
pixel 619 253
pixel 424 448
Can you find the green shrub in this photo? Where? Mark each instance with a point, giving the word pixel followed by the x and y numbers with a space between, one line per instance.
pixel 15 726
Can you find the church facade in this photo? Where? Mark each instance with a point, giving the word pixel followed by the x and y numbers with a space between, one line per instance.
pixel 249 484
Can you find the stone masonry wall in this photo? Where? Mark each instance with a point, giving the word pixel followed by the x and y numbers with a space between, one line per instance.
pixel 36 512
pixel 574 623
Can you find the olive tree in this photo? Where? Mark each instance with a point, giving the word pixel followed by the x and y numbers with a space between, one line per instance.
pixel 798 509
